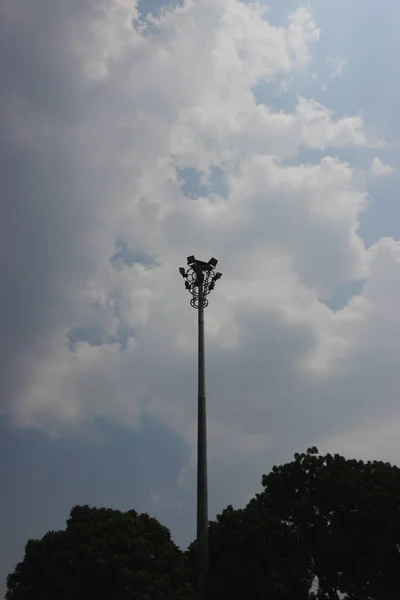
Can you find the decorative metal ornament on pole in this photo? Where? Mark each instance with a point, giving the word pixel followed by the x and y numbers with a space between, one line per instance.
pixel 200 280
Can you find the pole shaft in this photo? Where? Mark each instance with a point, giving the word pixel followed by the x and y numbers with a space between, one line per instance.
pixel 202 491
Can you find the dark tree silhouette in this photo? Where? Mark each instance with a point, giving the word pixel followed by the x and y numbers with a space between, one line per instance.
pixel 323 528
pixel 254 555
pixel 345 515
pixel 105 555
pixel 320 520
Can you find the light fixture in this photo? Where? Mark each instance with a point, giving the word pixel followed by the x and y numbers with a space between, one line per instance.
pixel 200 279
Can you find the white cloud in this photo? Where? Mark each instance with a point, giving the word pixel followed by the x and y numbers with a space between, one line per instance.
pixel 282 365
pixel 378 169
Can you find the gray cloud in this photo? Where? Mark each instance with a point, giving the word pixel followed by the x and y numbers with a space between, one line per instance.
pixel 43 218
pixel 95 153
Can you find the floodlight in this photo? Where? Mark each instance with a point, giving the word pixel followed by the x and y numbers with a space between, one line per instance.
pixel 200 279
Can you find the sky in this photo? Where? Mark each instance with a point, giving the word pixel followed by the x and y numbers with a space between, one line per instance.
pixel 136 134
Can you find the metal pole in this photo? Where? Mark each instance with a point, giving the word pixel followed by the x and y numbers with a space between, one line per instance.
pixel 202 491
pixel 200 279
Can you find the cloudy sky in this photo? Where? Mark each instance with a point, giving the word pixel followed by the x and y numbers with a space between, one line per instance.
pixel 135 134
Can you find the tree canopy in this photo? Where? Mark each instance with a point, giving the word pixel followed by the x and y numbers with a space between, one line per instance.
pixel 102 554
pixel 322 528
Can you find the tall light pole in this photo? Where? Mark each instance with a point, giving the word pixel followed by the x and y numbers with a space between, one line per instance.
pixel 200 278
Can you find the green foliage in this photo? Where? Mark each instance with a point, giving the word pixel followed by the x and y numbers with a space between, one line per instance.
pixel 318 518
pixel 345 515
pixel 102 554
pixel 254 556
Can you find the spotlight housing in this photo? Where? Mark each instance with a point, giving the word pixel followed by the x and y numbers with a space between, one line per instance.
pixel 200 279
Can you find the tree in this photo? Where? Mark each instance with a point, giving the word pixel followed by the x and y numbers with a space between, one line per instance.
pixel 102 554
pixel 320 519
pixel 253 555
pixel 345 515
